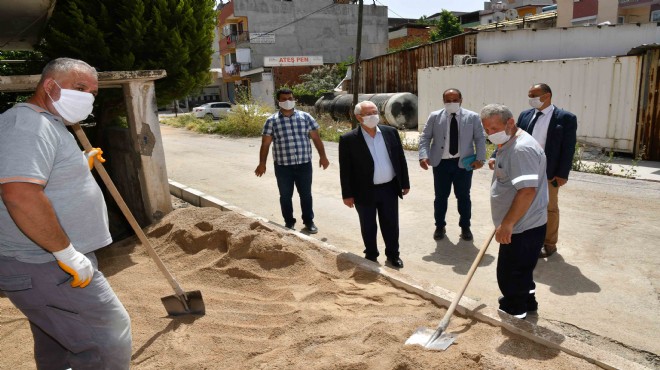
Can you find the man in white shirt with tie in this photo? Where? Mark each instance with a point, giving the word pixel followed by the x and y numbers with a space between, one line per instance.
pixel 555 130
pixel 450 136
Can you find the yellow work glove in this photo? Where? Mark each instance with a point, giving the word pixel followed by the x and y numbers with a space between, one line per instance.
pixel 94 153
pixel 75 264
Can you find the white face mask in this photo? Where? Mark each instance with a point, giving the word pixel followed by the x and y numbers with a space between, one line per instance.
pixel 499 138
pixel 287 104
pixel 452 107
pixel 536 102
pixel 371 121
pixel 73 105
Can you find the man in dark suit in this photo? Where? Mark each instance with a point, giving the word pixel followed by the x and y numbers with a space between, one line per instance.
pixel 555 130
pixel 374 174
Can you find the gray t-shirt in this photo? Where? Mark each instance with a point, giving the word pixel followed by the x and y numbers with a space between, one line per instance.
pixel 519 164
pixel 36 147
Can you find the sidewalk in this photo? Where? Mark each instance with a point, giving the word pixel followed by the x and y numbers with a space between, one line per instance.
pixel 643 170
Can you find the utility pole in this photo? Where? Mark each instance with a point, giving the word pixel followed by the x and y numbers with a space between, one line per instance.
pixel 356 65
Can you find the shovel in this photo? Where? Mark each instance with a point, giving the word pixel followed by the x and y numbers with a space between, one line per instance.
pixel 181 303
pixel 437 339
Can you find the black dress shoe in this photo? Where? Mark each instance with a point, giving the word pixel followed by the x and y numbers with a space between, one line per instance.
pixel 395 262
pixel 290 225
pixel 371 258
pixel 466 234
pixel 439 233
pixel 311 228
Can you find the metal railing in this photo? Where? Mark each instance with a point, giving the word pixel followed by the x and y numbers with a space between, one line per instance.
pixel 235 69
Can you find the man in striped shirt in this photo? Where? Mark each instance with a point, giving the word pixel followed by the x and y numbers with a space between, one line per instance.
pixel 518 202
pixel 290 131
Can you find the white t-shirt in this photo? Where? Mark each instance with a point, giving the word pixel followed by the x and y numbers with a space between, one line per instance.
pixel 36 147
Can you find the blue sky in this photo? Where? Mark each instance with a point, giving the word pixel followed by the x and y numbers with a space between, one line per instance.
pixel 417 8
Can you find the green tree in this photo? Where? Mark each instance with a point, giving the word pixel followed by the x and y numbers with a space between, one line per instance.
pixel 14 63
pixel 125 35
pixel 320 80
pixel 447 26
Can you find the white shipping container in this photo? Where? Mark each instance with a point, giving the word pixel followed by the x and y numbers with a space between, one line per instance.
pixel 602 92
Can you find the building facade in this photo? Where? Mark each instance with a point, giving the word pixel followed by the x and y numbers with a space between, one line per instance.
pixel 590 12
pixel 503 10
pixel 300 33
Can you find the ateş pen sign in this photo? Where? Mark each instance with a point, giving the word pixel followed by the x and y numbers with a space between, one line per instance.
pixel 289 61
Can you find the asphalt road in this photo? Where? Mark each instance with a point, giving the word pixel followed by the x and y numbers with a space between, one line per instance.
pixel 602 286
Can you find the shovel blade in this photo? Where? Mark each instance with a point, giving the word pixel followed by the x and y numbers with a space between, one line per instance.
pixel 423 335
pixel 194 305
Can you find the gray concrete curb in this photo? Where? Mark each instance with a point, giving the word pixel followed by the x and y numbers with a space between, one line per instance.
pixel 443 297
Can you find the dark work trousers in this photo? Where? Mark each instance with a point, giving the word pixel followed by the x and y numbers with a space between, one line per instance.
pixel 515 269
pixel 446 174
pixel 80 328
pixel 299 175
pixel 386 206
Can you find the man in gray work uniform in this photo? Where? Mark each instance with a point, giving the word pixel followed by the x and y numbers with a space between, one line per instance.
pixel 52 219
pixel 519 201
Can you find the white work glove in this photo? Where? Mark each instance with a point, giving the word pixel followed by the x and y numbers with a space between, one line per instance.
pixel 76 264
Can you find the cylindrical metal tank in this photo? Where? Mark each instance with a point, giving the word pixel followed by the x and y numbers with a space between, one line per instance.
pixel 398 109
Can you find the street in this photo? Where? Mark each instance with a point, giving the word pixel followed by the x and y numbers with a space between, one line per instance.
pixel 601 287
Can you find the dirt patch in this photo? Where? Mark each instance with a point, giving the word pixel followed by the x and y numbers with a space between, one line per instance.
pixel 275 301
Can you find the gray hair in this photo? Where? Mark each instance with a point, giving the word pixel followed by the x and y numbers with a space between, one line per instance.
pixel 358 106
pixel 499 110
pixel 65 65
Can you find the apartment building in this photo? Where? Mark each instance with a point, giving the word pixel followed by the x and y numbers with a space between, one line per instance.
pixel 268 43
pixel 590 12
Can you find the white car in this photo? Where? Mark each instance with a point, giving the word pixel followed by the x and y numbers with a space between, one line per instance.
pixel 212 110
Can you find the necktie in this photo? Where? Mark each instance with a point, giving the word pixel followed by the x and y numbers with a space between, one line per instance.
pixel 453 135
pixel 530 129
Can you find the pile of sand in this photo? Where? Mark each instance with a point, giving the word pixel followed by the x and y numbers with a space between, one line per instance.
pixel 275 301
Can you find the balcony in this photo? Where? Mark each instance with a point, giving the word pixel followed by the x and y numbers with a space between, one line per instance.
pixel 235 38
pixel 234 70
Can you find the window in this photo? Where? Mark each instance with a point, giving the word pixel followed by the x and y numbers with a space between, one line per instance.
pixel 655 16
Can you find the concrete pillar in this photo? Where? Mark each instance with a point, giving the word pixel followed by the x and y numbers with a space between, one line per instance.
pixel 608 10
pixel 564 13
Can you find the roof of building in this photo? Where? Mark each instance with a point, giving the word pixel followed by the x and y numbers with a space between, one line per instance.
pixel 518 21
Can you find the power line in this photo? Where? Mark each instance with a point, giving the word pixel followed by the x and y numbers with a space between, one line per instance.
pixel 298 20
pixel 389 8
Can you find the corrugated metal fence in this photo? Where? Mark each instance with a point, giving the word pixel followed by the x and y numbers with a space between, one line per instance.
pixel 397 72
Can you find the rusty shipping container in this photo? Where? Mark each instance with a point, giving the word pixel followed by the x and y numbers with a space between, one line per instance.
pixel 648 113
pixel 397 72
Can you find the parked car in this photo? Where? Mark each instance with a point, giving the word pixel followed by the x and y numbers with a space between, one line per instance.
pixel 213 110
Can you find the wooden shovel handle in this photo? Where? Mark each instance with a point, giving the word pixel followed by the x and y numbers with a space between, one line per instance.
pixel 127 212
pixel 473 268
